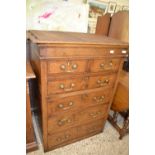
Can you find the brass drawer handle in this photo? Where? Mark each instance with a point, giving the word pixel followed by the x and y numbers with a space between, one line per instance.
pixel 95 114
pixel 74 66
pixel 64 121
pixel 68 67
pixel 70 104
pixel 62 86
pixel 60 139
pixel 102 66
pixel 106 81
pixel 102 82
pixel 63 67
pixel 99 99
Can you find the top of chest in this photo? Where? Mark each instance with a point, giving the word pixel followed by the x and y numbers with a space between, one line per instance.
pixel 70 38
pixel 67 44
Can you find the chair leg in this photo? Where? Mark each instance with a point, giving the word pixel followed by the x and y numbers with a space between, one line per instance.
pixel 125 128
pixel 122 131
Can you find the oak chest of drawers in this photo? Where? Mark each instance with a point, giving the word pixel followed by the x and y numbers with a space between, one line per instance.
pixel 77 75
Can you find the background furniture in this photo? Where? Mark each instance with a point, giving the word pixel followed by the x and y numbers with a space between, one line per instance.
pixel 118 28
pixel 31 143
pixel 120 104
pixel 77 74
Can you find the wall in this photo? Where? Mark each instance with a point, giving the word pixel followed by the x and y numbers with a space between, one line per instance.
pixel 69 15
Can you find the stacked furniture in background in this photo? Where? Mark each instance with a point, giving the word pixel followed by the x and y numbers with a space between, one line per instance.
pixel 117 27
pixel 31 143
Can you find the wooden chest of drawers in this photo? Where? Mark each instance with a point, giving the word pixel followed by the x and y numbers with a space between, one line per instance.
pixel 77 75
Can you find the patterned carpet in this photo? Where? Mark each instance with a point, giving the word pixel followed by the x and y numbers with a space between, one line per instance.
pixel 106 143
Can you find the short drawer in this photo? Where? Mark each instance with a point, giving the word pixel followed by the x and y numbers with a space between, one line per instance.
pixel 64 104
pixel 90 128
pixel 101 65
pixel 92 113
pixel 101 81
pixel 67 66
pixel 64 121
pixel 61 137
pixel 76 102
pixel 65 85
pixel 96 98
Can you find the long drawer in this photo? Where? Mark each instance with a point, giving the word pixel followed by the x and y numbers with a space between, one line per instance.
pixel 64 121
pixel 65 85
pixel 76 102
pixel 78 132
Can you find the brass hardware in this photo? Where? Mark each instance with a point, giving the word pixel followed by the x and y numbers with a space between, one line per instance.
pixel 110 63
pixel 98 81
pixel 112 51
pixel 102 82
pixel 63 138
pixel 68 63
pixel 62 86
pixel 124 51
pixel 74 66
pixel 60 105
pixel 99 99
pixel 107 81
pixel 95 114
pixel 70 103
pixel 63 121
pixel 63 67
pixel 102 66
pixel 72 85
pixel 67 136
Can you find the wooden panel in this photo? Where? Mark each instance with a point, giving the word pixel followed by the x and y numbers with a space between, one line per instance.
pixel 64 121
pixel 81 52
pixel 119 27
pixel 90 128
pixel 62 137
pixel 100 65
pixel 67 66
pixel 101 81
pixel 30 137
pixel 76 102
pixel 103 23
pixel 65 85
pixel 51 37
pixel 121 98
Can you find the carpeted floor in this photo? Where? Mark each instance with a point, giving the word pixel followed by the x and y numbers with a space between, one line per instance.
pixel 106 143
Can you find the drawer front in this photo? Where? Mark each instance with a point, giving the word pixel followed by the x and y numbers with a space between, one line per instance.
pixel 104 65
pixel 96 98
pixel 92 113
pixel 67 66
pixel 76 102
pixel 61 137
pixel 64 121
pixel 65 85
pixel 61 122
pixel 101 81
pixel 64 104
pixel 93 127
